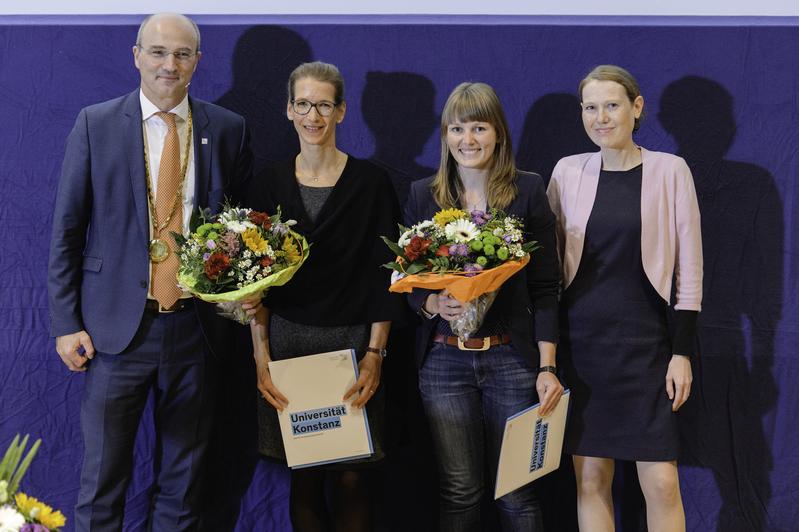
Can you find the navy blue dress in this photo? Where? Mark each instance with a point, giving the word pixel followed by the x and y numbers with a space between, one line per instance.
pixel 614 337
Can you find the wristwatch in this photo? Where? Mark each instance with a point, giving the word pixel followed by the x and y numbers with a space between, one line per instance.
pixel 378 351
pixel 548 369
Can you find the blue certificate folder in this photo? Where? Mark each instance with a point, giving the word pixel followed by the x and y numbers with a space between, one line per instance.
pixel 318 427
pixel 531 446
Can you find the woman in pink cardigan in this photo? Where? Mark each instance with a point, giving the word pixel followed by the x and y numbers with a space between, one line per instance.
pixel 628 223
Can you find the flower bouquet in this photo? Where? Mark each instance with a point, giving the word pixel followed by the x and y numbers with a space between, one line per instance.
pixel 468 254
pixel 237 255
pixel 18 511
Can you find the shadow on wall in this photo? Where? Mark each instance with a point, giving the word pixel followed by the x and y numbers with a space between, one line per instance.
pixel 398 108
pixel 742 233
pixel 263 58
pixel 552 130
pixel 262 61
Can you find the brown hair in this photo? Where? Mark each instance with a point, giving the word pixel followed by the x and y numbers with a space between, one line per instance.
pixel 476 102
pixel 319 71
pixel 618 75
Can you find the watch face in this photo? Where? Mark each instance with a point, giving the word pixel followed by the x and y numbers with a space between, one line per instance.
pixel 382 351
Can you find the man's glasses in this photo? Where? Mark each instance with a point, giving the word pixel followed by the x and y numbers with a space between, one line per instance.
pixel 303 107
pixel 161 54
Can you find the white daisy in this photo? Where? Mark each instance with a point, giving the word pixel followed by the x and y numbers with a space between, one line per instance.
pixel 238 227
pixel 461 230
pixel 405 239
pixel 10 519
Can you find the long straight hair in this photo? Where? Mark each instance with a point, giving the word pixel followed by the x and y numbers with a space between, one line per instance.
pixel 476 102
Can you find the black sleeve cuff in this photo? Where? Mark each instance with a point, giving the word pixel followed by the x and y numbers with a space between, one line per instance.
pixel 684 332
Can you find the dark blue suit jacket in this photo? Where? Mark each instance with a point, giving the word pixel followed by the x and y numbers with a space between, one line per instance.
pixel 527 304
pixel 98 270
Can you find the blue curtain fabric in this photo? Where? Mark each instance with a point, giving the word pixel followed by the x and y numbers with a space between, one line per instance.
pixel 722 97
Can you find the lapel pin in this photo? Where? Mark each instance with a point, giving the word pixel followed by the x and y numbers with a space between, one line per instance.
pixel 204 140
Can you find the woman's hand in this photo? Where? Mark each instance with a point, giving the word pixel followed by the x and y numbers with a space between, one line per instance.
pixel 444 305
pixel 253 307
pixel 549 391
pixel 368 379
pixel 267 387
pixel 259 331
pixel 678 381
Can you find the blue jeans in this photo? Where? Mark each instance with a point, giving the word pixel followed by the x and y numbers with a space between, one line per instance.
pixel 467 397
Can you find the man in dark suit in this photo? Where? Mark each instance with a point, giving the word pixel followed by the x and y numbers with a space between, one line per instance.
pixel 134 170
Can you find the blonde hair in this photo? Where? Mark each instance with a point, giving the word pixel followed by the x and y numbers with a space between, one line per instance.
pixel 319 71
pixel 618 75
pixel 476 102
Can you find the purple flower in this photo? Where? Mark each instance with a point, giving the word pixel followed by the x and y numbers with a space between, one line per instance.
pixel 472 268
pixel 507 239
pixel 459 250
pixel 280 229
pixel 34 527
pixel 479 217
pixel 210 244
pixel 206 256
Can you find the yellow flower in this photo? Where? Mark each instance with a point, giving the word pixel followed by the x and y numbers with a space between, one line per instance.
pixel 444 217
pixel 290 249
pixel 254 241
pixel 39 512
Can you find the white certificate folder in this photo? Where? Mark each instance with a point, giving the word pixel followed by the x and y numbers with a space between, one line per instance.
pixel 531 446
pixel 318 426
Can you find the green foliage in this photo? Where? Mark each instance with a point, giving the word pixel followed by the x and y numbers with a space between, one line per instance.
pixel 440 264
pixel 13 467
pixel 394 247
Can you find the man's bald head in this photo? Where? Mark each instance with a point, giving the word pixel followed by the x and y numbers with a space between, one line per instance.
pixel 156 16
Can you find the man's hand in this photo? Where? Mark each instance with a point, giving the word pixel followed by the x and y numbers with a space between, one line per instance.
pixel 75 350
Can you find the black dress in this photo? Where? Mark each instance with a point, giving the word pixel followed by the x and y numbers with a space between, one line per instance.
pixel 322 308
pixel 614 337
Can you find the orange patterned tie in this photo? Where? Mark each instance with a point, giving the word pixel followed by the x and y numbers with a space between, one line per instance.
pixel 164 285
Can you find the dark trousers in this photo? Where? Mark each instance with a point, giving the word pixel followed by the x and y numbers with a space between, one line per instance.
pixel 169 356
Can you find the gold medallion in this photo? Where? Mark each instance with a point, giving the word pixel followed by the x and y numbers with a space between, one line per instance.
pixel 159 251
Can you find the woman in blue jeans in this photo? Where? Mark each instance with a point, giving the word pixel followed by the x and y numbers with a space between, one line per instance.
pixel 467 392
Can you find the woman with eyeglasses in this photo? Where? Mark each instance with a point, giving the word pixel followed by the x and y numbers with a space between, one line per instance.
pixel 628 225
pixel 468 393
pixel 339 299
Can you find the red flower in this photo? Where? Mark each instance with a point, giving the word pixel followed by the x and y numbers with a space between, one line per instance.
pixel 217 263
pixel 417 247
pixel 442 251
pixel 266 261
pixel 260 218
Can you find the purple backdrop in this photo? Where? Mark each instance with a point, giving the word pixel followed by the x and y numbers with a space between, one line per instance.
pixel 725 97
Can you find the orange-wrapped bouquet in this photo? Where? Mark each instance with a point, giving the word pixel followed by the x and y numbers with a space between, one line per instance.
pixel 468 254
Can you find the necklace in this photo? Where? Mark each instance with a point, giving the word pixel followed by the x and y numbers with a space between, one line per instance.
pixel 326 176
pixel 158 248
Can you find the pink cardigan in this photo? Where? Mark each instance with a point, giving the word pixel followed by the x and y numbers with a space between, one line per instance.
pixel 671 238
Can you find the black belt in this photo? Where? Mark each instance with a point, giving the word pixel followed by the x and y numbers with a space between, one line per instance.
pixel 181 304
pixel 472 344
